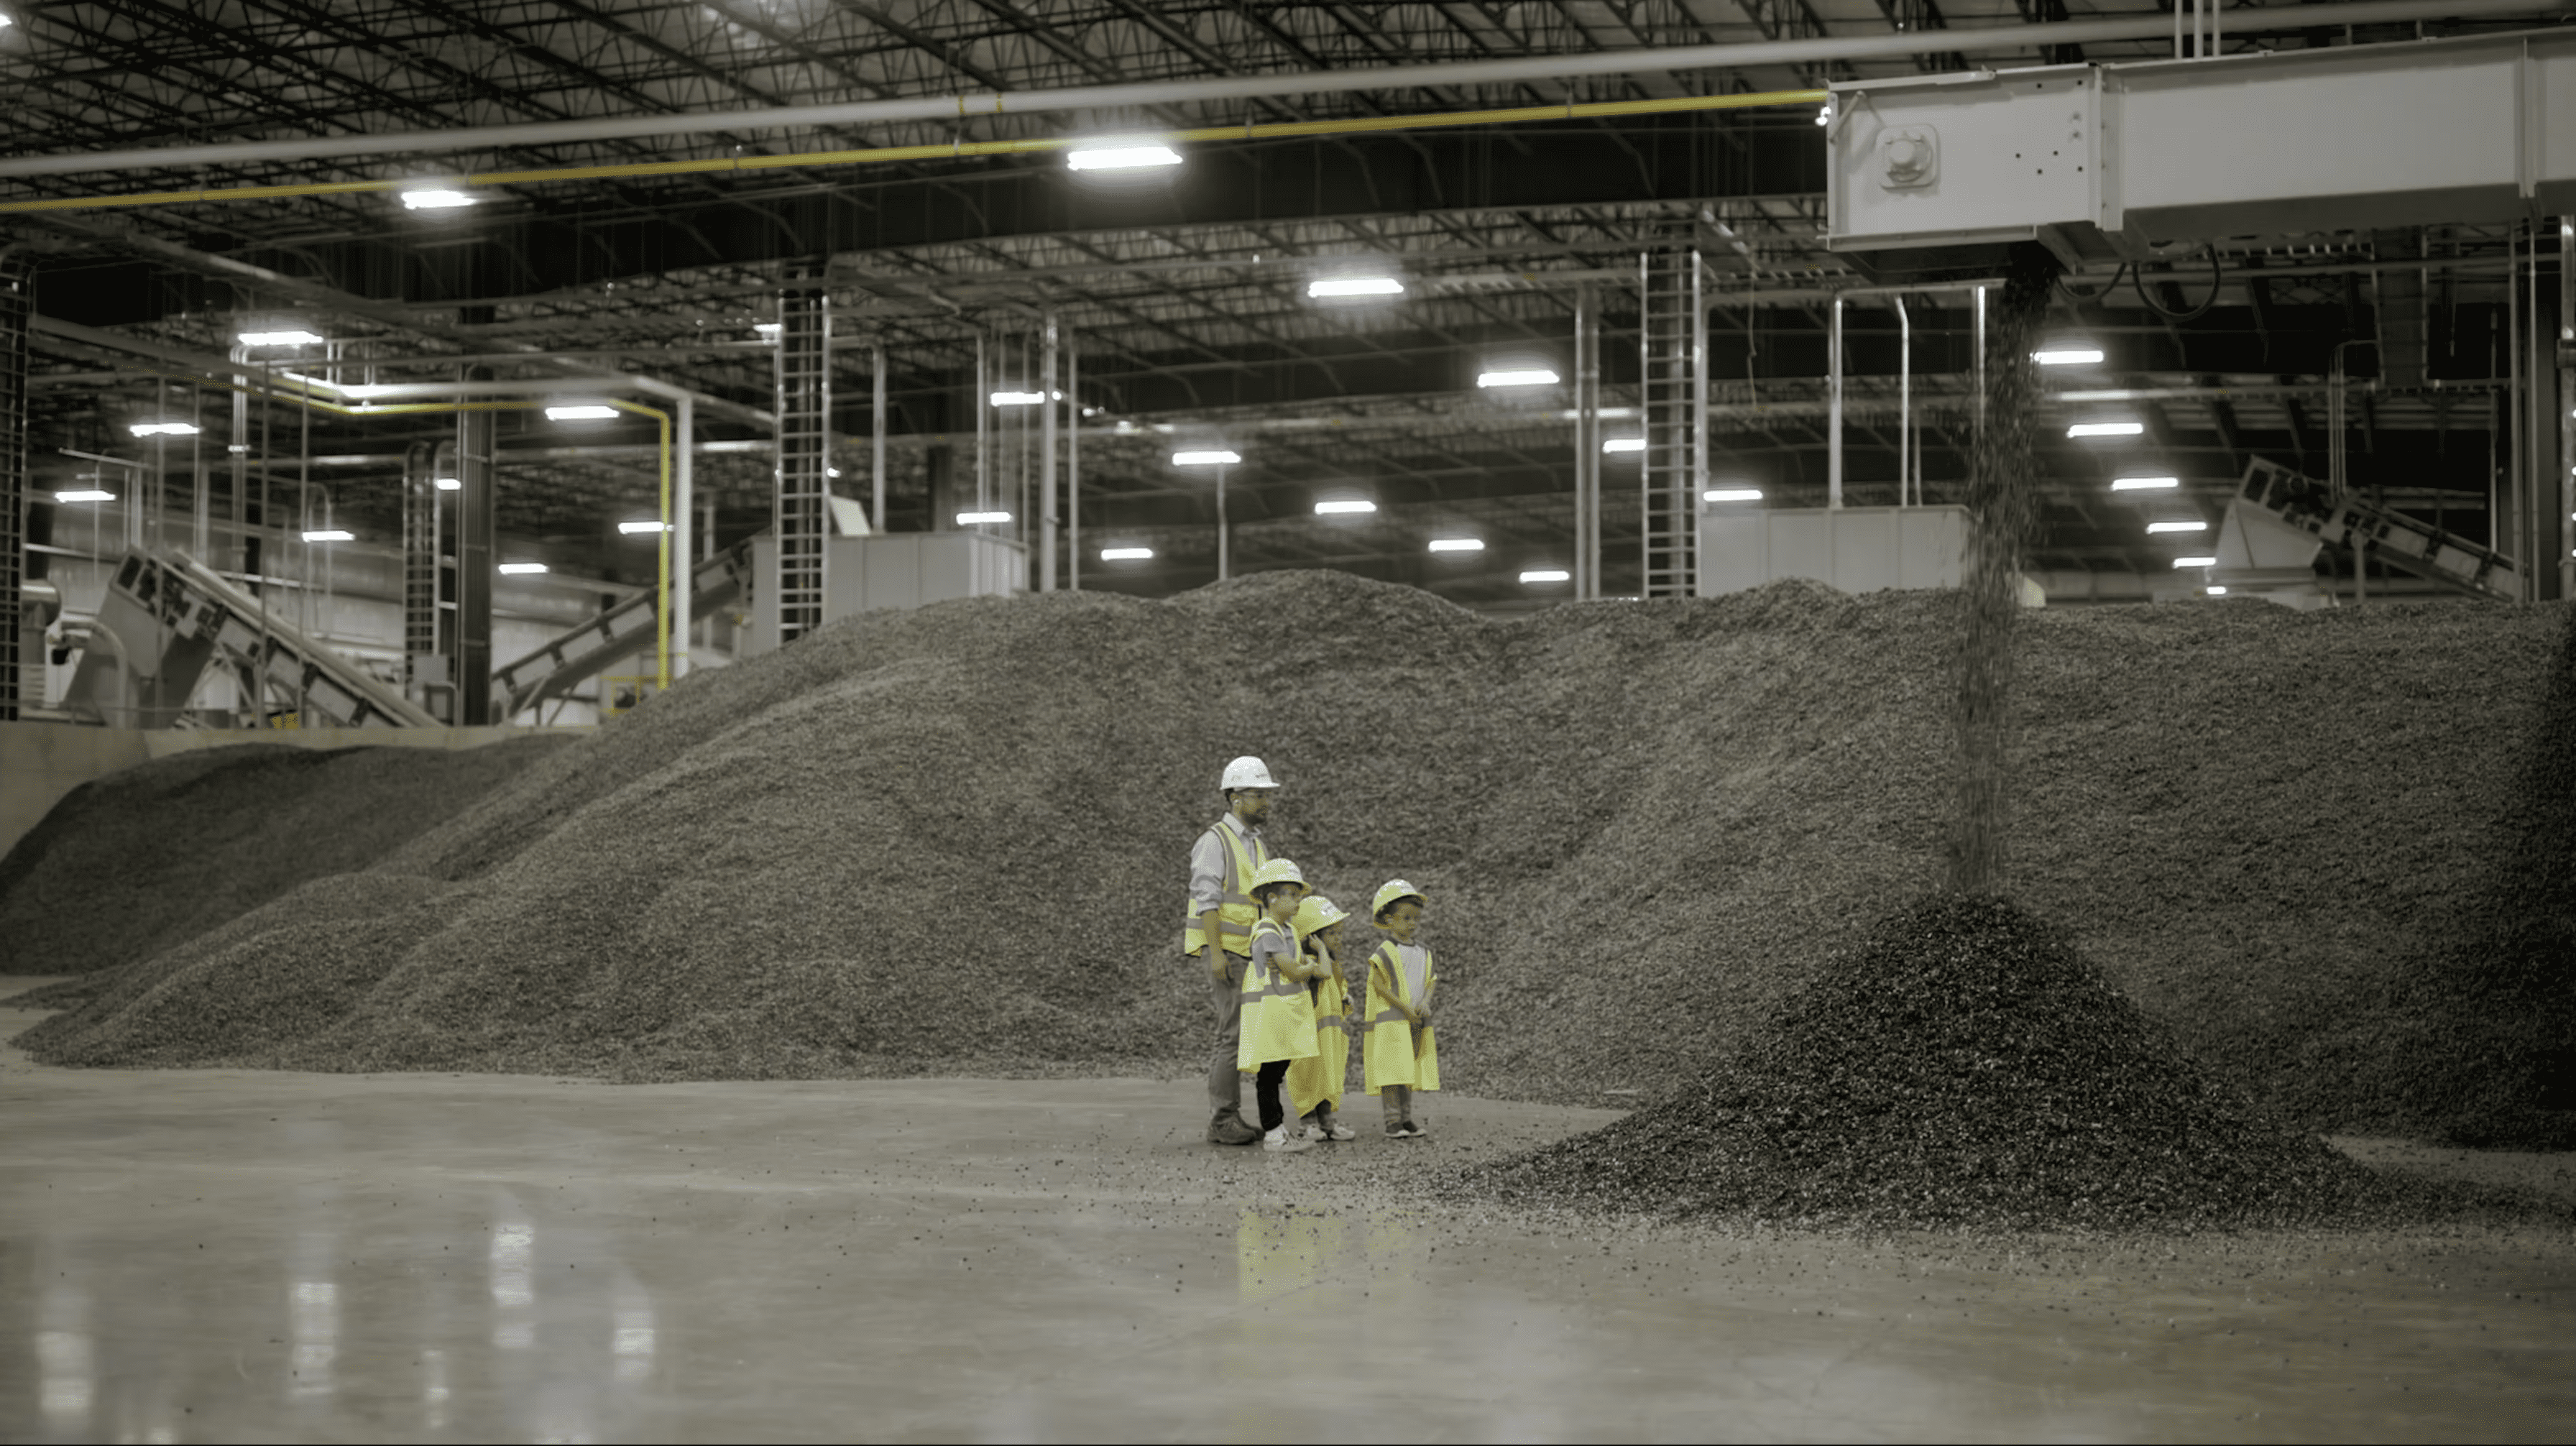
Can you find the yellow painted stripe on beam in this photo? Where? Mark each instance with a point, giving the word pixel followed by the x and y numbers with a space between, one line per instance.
pixel 1273 130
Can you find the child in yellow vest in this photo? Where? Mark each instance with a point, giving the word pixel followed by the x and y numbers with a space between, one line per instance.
pixel 1315 1085
pixel 1402 1054
pixel 1278 1017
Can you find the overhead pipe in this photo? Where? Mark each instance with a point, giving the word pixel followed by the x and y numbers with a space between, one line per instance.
pixel 1540 69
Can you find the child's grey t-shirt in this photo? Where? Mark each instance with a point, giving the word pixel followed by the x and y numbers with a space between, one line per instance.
pixel 1415 960
pixel 1268 948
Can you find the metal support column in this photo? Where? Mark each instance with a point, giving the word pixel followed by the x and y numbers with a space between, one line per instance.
pixel 1587 444
pixel 1834 407
pixel 1073 464
pixel 1046 461
pixel 877 439
pixel 2566 488
pixel 17 312
pixel 684 523
pixel 802 518
pixel 1673 379
pixel 477 513
pixel 1904 399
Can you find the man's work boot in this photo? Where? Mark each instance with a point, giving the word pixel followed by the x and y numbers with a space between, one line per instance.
pixel 1228 1128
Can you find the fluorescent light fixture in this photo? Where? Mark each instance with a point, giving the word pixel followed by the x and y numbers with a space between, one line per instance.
pixel 163 429
pixel 1624 444
pixel 2195 562
pixel 2177 527
pixel 2067 356
pixel 89 494
pixel 1215 458
pixel 1523 377
pixel 769 329
pixel 2144 484
pixel 450 484
pixel 435 200
pixel 6 20
pixel 278 338
pixel 1354 286
pixel 1332 509
pixel 831 471
pixel 631 528
pixel 583 412
pixel 2216 591
pixel 521 569
pixel 2106 429
pixel 1018 399
pixel 1731 494
pixel 1122 158
pixel 1125 554
pixel 1457 544
pixel 330 534
pixel 970 519
pixel 1546 574
pixel 1825 114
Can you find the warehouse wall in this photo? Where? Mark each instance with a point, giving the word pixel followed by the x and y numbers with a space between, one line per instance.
pixel 40 762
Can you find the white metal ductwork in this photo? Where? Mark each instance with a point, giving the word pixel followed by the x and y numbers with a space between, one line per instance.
pixel 2097 161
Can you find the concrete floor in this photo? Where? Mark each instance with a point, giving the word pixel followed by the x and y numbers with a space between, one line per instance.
pixel 238 1255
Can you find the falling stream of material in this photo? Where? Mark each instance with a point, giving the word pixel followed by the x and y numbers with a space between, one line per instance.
pixel 2001 507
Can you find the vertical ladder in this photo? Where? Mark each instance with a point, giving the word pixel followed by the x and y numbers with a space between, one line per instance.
pixel 425 679
pixel 17 305
pixel 803 512
pixel 1673 380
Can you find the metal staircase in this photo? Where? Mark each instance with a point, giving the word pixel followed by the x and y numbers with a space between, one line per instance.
pixel 167 617
pixel 1673 377
pixel 584 652
pixel 429 675
pixel 2290 499
pixel 803 513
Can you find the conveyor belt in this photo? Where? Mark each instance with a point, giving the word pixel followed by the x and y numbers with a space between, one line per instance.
pixel 574 657
pixel 2385 534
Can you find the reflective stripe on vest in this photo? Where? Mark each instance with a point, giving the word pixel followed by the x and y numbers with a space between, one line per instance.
pixel 1261 983
pixel 1389 1016
pixel 1235 911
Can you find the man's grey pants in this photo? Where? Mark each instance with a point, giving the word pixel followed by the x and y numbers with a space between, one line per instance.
pixel 1225 1081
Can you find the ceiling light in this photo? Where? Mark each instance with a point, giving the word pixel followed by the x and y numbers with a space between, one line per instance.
pixel 521 569
pixel 1122 158
pixel 1216 458
pixel 2144 484
pixel 1329 509
pixel 449 484
pixel 1731 494
pixel 583 412
pixel 970 519
pixel 2195 562
pixel 2177 527
pixel 1523 377
pixel 1624 444
pixel 1825 114
pixel 91 494
pixel 330 534
pixel 1018 399
pixel 163 429
pixel 1355 286
pixel 2067 356
pixel 435 200
pixel 2215 591
pixel 278 338
pixel 631 528
pixel 1125 554
pixel 6 20
pixel 769 329
pixel 1457 544
pixel 1546 574
pixel 2106 429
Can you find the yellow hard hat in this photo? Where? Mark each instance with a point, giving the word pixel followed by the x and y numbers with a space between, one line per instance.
pixel 1277 871
pixel 1316 912
pixel 1392 890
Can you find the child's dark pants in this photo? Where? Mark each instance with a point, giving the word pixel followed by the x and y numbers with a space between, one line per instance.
pixel 1266 1087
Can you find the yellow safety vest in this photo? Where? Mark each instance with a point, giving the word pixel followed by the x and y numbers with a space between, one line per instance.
pixel 1278 1018
pixel 1235 909
pixel 1393 1052
pixel 1318 1081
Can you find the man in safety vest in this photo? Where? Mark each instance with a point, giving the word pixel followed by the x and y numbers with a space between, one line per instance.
pixel 1218 930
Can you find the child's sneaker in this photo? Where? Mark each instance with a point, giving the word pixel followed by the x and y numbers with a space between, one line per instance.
pixel 1395 1129
pixel 1413 1131
pixel 1334 1129
pixel 1284 1143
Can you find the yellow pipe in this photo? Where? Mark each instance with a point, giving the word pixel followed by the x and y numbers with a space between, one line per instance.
pixel 1356 125
pixel 662 576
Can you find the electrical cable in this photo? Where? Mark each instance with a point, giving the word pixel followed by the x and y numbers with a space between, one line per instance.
pixel 2097 293
pixel 2217 282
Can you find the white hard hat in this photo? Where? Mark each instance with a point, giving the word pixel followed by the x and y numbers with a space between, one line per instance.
pixel 1247 772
